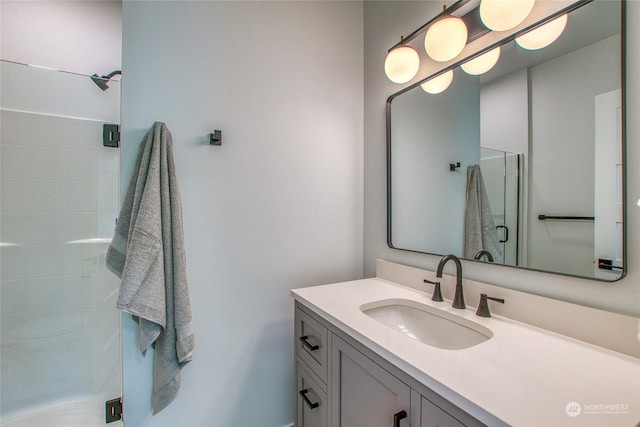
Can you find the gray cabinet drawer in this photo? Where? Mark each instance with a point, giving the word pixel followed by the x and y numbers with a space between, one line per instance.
pixel 311 343
pixel 311 403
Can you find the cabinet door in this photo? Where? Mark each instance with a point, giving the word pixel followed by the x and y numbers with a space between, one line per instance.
pixel 363 394
pixel 433 416
pixel 311 401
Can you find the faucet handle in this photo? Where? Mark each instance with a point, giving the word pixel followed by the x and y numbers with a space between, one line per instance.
pixel 437 293
pixel 483 307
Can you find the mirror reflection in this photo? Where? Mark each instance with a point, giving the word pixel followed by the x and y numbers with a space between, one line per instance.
pixel 521 165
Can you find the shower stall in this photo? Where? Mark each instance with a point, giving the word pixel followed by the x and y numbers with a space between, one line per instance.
pixel 60 331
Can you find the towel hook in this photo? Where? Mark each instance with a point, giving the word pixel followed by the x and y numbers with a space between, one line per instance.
pixel 454 166
pixel 215 138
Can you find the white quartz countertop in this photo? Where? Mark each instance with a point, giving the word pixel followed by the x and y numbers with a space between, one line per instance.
pixel 522 376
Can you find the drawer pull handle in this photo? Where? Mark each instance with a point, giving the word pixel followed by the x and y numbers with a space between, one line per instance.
pixel 303 340
pixel 399 416
pixel 311 405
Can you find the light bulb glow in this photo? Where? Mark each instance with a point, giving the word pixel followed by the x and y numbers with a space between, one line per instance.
pixel 402 64
pixel 482 63
pixel 503 15
pixel 438 84
pixel 544 35
pixel 446 38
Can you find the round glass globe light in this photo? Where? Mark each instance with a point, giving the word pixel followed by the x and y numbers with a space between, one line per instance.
pixel 482 63
pixel 446 38
pixel 402 64
pixel 503 15
pixel 544 35
pixel 438 84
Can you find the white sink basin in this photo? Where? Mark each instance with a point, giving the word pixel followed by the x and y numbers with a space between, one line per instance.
pixel 427 324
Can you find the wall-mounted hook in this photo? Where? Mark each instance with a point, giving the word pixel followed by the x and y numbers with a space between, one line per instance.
pixel 215 138
pixel 454 166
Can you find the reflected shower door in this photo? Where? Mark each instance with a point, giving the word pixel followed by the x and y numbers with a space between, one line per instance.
pixel 501 173
pixel 60 331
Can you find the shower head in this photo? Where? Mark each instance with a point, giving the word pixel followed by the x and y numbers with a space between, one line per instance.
pixel 101 81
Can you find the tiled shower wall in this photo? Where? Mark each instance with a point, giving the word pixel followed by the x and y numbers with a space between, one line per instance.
pixel 58 204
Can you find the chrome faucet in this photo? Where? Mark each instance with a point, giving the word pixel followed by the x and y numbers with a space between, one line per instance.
pixel 458 299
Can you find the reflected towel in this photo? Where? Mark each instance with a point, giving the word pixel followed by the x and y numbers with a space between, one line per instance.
pixel 479 228
pixel 147 253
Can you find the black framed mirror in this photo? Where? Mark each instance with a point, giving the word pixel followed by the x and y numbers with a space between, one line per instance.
pixel 527 159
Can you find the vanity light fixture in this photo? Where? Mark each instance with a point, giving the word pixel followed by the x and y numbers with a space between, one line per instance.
pixel 503 15
pixel 483 63
pixel 543 35
pixel 402 64
pixel 438 84
pixel 445 38
pixel 447 35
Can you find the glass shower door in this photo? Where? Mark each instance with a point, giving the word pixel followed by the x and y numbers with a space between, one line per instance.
pixel 501 171
pixel 60 355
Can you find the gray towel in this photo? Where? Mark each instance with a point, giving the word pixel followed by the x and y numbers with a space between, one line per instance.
pixel 147 253
pixel 479 228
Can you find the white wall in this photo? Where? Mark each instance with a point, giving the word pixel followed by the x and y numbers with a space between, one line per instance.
pixel 278 206
pixel 436 222
pixel 79 36
pixel 562 155
pixel 384 22
pixel 504 113
pixel 504 125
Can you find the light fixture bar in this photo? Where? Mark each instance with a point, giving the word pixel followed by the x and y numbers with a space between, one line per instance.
pixel 475 27
pixel 471 19
pixel 578 4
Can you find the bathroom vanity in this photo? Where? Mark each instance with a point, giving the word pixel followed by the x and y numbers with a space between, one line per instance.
pixel 353 369
pixel 342 383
